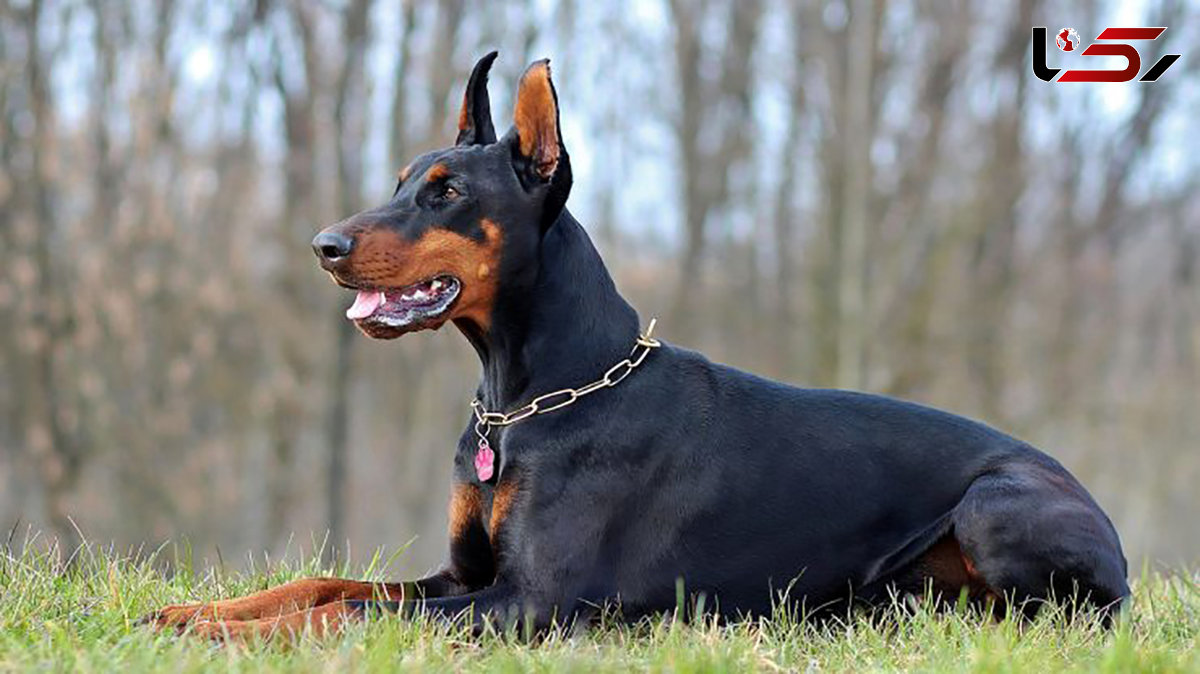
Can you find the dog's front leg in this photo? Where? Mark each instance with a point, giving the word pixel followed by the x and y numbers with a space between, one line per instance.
pixel 501 605
pixel 471 567
pixel 302 595
pixel 293 597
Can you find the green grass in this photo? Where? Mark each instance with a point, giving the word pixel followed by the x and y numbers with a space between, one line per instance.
pixel 81 617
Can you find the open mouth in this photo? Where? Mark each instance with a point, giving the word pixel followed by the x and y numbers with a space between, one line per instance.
pixel 407 306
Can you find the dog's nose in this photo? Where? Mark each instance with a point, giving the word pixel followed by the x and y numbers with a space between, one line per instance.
pixel 332 246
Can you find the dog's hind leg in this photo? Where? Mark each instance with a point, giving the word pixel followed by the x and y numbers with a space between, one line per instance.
pixel 1032 532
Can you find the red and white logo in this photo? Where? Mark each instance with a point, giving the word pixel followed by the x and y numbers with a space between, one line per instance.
pixel 1112 41
pixel 1067 39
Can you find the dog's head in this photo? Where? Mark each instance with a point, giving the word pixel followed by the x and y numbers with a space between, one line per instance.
pixel 464 224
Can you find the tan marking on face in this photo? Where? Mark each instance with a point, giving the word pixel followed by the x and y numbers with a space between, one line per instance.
pixel 464 509
pixel 536 119
pixel 437 172
pixel 502 505
pixel 384 259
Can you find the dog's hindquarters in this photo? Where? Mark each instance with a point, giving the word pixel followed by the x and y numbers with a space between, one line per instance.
pixel 1029 530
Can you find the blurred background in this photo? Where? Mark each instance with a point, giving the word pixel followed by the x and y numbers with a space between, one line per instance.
pixel 862 194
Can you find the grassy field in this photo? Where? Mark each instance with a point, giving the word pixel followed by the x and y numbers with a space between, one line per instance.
pixel 81 618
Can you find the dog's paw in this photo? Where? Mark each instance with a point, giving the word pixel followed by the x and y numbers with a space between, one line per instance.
pixel 177 616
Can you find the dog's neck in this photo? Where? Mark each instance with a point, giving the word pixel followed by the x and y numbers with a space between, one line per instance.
pixel 565 332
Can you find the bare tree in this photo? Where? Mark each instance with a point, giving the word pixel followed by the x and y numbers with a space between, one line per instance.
pixel 60 455
pixel 994 240
pixel 712 128
pixel 349 121
pixel 853 228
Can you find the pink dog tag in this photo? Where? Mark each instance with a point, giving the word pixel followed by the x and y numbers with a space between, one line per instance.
pixel 485 461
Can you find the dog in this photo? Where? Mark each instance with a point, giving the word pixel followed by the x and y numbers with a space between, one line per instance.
pixel 603 467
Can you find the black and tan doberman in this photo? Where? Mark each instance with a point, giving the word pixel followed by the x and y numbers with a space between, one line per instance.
pixel 601 466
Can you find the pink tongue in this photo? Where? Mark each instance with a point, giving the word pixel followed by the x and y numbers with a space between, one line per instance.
pixel 365 304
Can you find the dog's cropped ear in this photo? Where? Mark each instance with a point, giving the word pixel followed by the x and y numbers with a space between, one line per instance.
pixel 539 140
pixel 475 118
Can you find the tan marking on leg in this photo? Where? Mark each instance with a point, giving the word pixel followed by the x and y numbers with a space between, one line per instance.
pixel 290 597
pixel 319 621
pixel 949 569
pixel 465 509
pixel 502 504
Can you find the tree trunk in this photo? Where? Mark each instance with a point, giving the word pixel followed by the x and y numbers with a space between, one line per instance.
pixel 995 244
pixel 852 251
pixel 350 124
pixel 60 456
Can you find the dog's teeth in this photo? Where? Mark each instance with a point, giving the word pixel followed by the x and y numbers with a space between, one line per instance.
pixel 420 295
pixel 437 283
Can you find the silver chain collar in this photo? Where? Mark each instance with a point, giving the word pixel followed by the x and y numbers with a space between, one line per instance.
pixel 556 400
